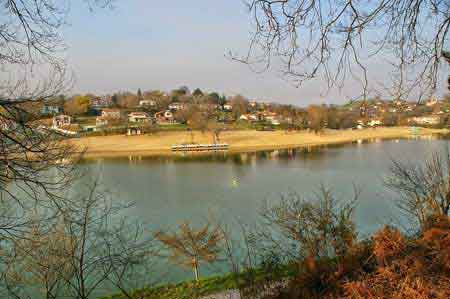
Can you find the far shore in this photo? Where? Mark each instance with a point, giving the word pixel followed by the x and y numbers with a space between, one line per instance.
pixel 158 144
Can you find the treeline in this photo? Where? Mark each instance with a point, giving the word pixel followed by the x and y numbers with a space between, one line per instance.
pixel 199 109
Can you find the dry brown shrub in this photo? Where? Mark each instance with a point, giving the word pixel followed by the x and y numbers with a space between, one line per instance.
pixel 436 243
pixel 388 244
pixel 416 269
pixel 358 290
pixel 418 288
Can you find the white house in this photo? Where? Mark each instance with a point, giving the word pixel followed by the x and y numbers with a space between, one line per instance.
pixel 51 109
pixel 111 113
pixel 176 106
pixel 147 103
pixel 101 121
pixel 138 117
pixel 425 120
pixel 248 117
pixel 164 116
pixel 228 107
pixel 168 114
pixel 272 118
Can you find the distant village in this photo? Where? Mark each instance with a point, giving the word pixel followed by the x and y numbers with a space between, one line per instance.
pixel 180 109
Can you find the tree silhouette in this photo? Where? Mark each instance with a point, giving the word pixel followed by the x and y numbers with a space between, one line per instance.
pixel 338 41
pixel 446 55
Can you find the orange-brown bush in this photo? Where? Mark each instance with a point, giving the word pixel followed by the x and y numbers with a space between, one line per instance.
pixel 388 244
pixel 417 269
pixel 392 266
pixel 323 278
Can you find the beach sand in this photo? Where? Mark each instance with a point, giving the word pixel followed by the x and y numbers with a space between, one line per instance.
pixel 239 141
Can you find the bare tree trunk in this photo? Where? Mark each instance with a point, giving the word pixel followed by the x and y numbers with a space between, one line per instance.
pixel 196 274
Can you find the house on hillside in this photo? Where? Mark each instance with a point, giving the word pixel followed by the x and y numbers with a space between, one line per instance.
pixel 227 107
pixel 272 118
pixel 430 120
pixel 51 109
pixel 249 117
pixel 101 102
pixel 62 120
pixel 177 106
pixel 101 121
pixel 253 105
pixel 147 103
pixel 165 117
pixel 111 113
pixel 138 117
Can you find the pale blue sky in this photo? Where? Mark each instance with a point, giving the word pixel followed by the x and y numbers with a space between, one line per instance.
pixel 166 44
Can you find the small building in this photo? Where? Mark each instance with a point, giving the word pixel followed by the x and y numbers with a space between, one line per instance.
pixel 272 117
pixel 134 131
pixel 111 113
pixel 101 121
pixel 430 120
pixel 51 110
pixel 249 117
pixel 168 114
pixel 228 107
pixel 89 128
pixel 62 120
pixel 138 117
pixel 165 117
pixel 177 106
pixel 147 103
pixel 101 102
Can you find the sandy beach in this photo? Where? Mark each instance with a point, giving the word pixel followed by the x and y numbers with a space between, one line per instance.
pixel 239 141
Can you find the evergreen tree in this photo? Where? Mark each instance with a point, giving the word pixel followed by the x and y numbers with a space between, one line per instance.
pixel 197 92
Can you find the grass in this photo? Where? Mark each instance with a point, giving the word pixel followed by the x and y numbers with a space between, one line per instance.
pixel 172 127
pixel 208 286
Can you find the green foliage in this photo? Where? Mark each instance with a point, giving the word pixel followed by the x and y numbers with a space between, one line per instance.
pixel 197 92
pixel 78 105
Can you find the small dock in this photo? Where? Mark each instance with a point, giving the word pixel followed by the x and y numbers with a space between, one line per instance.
pixel 200 147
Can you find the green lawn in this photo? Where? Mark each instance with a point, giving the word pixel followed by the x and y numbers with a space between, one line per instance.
pixel 207 286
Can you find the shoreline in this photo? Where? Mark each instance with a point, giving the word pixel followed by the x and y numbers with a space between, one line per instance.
pixel 159 144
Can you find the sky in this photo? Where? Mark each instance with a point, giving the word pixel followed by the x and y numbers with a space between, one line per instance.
pixel 167 44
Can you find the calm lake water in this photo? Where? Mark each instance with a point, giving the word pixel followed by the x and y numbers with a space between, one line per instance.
pixel 169 190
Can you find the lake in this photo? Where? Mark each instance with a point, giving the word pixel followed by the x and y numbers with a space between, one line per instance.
pixel 226 187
